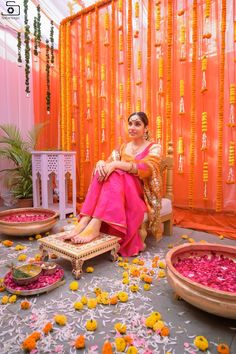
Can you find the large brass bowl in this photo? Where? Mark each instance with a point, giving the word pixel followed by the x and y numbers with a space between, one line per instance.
pixel 29 227
pixel 214 301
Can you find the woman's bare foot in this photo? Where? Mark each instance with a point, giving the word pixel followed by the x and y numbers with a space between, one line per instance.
pixel 78 228
pixel 89 233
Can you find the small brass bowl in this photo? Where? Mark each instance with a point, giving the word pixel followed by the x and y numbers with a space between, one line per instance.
pixel 32 270
pixel 48 267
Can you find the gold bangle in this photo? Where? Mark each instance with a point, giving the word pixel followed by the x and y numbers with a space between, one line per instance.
pixel 130 169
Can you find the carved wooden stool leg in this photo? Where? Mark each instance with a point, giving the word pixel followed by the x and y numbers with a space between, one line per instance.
pixel 77 267
pixel 43 253
pixel 114 251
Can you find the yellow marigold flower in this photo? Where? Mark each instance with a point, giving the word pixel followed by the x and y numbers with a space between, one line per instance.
pixel 91 325
pixel 120 344
pixel 61 320
pixel 158 325
pixel 134 288
pixel 191 240
pixel 156 314
pixel 121 264
pixel 97 291
pixel 78 305
pixel 119 259
pixel 125 266
pixel 184 237
pixel 162 264
pixel 125 275
pixel 84 300
pixel 132 350
pixel 103 298
pixel 120 327
pixel 4 300
pixel 125 281
pixel 25 305
pixel 135 261
pixel 150 321
pixel 201 343
pixel 161 273
pixel 37 257
pixel 21 257
pixel 146 287
pixel 74 285
pixel 92 303
pixel 89 269
pixel 20 247
pixel 38 236
pixel 7 243
pixel 123 296
pixel 12 299
pixel 31 238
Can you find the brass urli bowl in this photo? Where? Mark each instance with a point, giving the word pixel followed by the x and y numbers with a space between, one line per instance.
pixel 28 227
pixel 32 270
pixel 211 300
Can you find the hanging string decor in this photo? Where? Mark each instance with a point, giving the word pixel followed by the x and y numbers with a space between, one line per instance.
pixel 136 19
pixel 88 67
pixel 103 123
pixel 158 24
pixel 204 68
pixel 35 38
pixel 38 24
pixel 139 67
pixel 181 103
pixel 205 179
pixel 231 176
pixel 183 43
pixel 19 57
pixel 204 131
pixel 52 43
pixel 106 26
pixel 75 105
pixel 232 100
pixel 138 105
pixel 159 129
pixel 180 151
pixel 207 32
pixel 87 150
pixel 121 48
pixel 103 78
pixel 121 100
pixel 160 75
pixel 48 93
pixel 88 29
pixel 27 49
pixel 120 14
pixel 88 111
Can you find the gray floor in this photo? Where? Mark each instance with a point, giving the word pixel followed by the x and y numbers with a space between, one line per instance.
pixel 185 321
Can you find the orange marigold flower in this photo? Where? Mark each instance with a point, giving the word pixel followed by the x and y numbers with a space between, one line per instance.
pixel 35 335
pixel 80 342
pixel 165 331
pixel 25 305
pixel 2 288
pixel 107 348
pixel 148 279
pixel 47 328
pixel 29 344
pixel 128 339
pixel 113 300
pixel 223 348
pixel 7 243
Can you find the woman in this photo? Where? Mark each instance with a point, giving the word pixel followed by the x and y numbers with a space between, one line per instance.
pixel 122 189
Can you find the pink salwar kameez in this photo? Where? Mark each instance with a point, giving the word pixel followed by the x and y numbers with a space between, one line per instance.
pixel 119 203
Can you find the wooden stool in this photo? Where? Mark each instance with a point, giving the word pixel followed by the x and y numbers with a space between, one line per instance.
pixel 78 253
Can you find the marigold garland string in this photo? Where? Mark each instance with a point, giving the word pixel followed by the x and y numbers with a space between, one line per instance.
pixel 82 141
pixel 219 178
pixel 19 57
pixel 48 92
pixel 27 48
pixel 96 85
pixel 149 62
pixel 68 87
pixel 129 57
pixel 62 39
pixel 113 78
pixel 52 43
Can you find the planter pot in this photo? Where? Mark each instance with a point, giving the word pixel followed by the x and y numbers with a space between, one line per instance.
pixel 24 203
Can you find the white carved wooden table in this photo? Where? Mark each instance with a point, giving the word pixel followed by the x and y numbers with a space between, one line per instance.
pixel 45 166
pixel 78 253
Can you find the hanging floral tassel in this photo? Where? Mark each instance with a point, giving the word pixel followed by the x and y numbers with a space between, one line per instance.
pixel 88 29
pixel 75 87
pixel 88 112
pixel 121 52
pixel 158 24
pixel 121 96
pixel 160 74
pixel 183 43
pixel 103 78
pixel 231 178
pixel 205 179
pixel 136 19
pixel 204 68
pixel 232 103
pixel 180 155
pixel 138 105
pixel 181 104
pixel 87 149
pixel 106 26
pixel 103 125
pixel 88 65
pixel 73 140
pixel 159 129
pixel 204 131
pixel 19 57
pixel 139 65
pixel 120 12
pixel 207 31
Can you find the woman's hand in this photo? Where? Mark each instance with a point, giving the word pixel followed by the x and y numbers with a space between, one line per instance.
pixel 100 169
pixel 110 167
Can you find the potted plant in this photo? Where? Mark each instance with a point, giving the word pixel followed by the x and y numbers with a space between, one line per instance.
pixel 16 149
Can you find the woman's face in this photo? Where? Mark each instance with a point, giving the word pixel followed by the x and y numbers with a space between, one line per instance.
pixel 136 128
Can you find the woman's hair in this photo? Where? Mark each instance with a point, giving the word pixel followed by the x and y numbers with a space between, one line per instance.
pixel 142 116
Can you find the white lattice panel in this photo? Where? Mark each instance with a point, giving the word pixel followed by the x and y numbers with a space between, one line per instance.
pixel 68 164
pixel 53 164
pixel 37 164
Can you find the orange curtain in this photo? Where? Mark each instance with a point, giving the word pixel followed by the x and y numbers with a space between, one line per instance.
pixel 173 59
pixel 49 137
